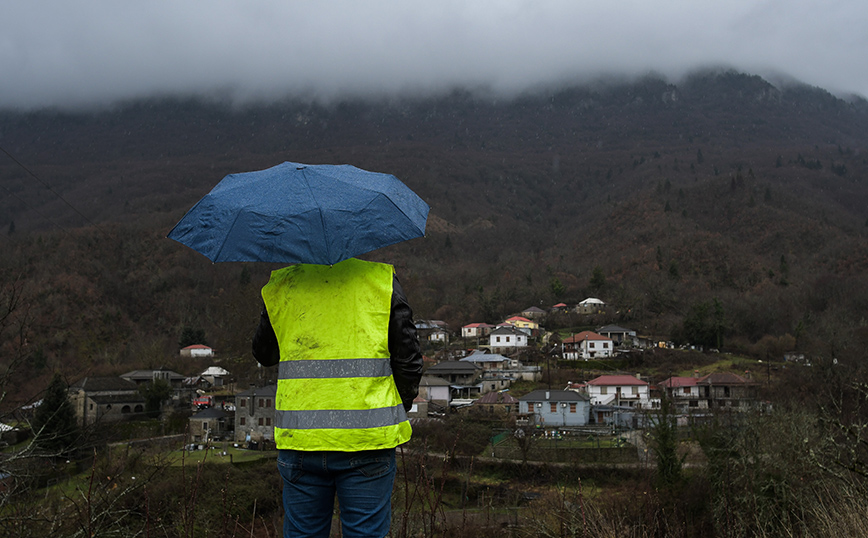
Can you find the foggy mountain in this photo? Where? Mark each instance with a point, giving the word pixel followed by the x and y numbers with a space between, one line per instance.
pixel 723 187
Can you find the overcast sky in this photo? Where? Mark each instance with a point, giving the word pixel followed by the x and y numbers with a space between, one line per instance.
pixel 61 52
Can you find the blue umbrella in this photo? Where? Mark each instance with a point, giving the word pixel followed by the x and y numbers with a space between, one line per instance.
pixel 300 213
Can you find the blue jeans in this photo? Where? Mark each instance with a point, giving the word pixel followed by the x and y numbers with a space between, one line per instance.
pixel 362 482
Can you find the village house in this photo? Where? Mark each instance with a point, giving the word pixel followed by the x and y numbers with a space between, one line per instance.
pixel 591 305
pixel 210 425
pixel 105 399
pixel 463 377
pixel 587 345
pixel 215 376
pixel 505 339
pixel 439 335
pixel 254 414
pixel 620 390
pixel 491 361
pixel 143 377
pixel 435 390
pixel 196 351
pixel 714 391
pixel 496 403
pixel 531 328
pixel 533 312
pixel 555 408
pixel 476 330
pixel 618 335
pixel 425 328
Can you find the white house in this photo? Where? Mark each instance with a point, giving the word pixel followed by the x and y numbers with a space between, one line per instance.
pixel 591 305
pixel 505 338
pixel 587 345
pixel 435 389
pixel 197 350
pixel 215 375
pixel 619 390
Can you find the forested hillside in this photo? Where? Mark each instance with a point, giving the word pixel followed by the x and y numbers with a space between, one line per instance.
pixel 720 199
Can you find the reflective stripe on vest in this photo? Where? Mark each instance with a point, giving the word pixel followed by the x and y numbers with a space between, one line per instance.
pixel 335 389
pixel 342 420
pixel 334 368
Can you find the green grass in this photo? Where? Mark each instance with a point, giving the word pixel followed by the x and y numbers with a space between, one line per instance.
pixel 176 458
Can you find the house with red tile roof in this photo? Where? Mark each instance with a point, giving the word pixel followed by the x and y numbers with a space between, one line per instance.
pixel 620 390
pixel 720 390
pixel 587 345
pixel 523 323
pixel 476 330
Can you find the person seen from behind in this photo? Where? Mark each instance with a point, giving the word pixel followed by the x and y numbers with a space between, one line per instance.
pixel 349 365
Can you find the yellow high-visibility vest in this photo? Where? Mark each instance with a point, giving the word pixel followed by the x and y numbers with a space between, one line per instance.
pixel 335 389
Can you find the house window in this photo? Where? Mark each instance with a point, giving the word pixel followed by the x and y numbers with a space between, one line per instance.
pixel 507 339
pixel 243 402
pixel 268 402
pixel 635 390
pixel 261 421
pixel 604 390
pixel 605 345
pixel 268 421
pixel 497 339
pixel 590 344
pixel 243 421
pixel 686 390
pixel 261 402
pixel 553 407
pixel 572 408
pixel 693 403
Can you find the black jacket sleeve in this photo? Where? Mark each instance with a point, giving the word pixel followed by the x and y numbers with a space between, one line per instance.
pixel 265 348
pixel 406 355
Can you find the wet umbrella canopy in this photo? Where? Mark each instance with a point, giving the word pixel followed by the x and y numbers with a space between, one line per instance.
pixel 299 213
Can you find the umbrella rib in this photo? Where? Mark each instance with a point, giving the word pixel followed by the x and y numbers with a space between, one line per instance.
pixel 225 236
pixel 321 216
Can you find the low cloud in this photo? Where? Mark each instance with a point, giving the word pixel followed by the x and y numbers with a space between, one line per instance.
pixel 55 53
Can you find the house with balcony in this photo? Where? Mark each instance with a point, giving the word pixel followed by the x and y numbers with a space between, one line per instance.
pixel 587 345
pixel 620 390
pixel 618 335
pixel 463 377
pixel 719 390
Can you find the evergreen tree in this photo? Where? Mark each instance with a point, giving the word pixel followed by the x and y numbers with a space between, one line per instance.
pixel 598 279
pixel 664 441
pixel 191 336
pixel 155 394
pixel 54 425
